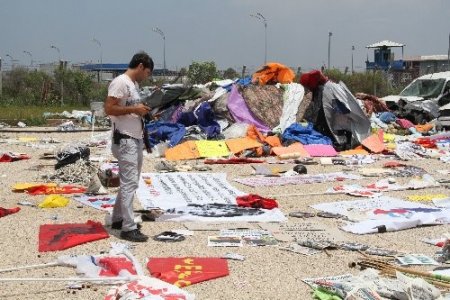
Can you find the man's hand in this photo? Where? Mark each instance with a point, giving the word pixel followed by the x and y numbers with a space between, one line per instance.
pixel 141 109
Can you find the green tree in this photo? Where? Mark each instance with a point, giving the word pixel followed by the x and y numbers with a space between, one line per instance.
pixel 230 73
pixel 202 72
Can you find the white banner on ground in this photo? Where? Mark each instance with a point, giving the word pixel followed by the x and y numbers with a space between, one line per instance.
pixel 385 214
pixel 174 190
pixel 205 197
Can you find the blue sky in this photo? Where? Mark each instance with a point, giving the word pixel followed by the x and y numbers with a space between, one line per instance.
pixel 220 30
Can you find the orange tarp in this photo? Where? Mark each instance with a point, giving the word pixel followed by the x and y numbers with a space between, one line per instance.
pixel 373 143
pixel 186 150
pixel 241 144
pixel 294 150
pixel 358 150
pixel 273 72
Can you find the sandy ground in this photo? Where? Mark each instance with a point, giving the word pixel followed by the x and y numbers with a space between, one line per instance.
pixel 267 273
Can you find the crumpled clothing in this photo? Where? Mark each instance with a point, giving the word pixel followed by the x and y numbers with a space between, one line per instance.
pixel 372 104
pixel 268 141
pixel 160 131
pixel 247 80
pixel 313 79
pixel 206 120
pixel 273 73
pixel 54 201
pixel 404 123
pixel 321 294
pixel 8 211
pixel 387 117
pixel 240 111
pixel 305 135
pixel 256 201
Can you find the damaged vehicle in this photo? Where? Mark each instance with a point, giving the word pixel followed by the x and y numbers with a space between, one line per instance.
pixel 424 99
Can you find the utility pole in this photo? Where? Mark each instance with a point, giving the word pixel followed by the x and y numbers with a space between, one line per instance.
pixel 31 58
pixel 161 33
pixel 1 78
pixel 101 59
pixel 448 54
pixel 329 48
pixel 61 63
pixel 353 49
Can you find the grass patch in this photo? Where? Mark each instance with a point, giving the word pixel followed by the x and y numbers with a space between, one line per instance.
pixel 33 115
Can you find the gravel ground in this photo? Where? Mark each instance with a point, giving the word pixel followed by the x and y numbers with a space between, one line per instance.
pixel 267 273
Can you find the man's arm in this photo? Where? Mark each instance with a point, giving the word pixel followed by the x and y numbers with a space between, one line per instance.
pixel 113 108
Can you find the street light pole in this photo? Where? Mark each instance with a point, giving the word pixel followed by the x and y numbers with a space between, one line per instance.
pixel 161 33
pixel 101 58
pixel 260 17
pixel 353 49
pixel 31 57
pixel 448 54
pixel 329 48
pixel 62 73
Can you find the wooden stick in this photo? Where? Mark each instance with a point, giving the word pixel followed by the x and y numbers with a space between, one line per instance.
pixel 93 279
pixel 50 264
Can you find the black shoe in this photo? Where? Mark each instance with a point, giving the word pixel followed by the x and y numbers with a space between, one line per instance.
pixel 118 225
pixel 133 236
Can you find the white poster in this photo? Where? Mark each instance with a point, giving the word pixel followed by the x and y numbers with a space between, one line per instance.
pixel 176 190
pixel 385 214
pixel 205 197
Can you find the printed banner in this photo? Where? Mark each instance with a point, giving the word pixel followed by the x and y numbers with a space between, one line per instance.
pixel 206 197
pixel 298 179
pixel 173 190
pixel 101 202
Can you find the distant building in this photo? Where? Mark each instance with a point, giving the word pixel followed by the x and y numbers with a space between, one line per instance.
pixel 426 64
pixel 110 71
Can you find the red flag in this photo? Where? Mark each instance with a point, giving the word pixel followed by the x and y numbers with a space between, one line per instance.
pixel 48 190
pixel 185 271
pixel 54 237
pixel 8 211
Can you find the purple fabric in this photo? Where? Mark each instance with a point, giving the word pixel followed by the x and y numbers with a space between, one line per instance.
pixel 240 112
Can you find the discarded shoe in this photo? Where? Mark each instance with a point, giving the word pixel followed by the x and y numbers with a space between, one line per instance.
pixel 133 236
pixel 118 225
pixel 169 236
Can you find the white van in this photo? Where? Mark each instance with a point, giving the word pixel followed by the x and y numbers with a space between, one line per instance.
pixel 429 92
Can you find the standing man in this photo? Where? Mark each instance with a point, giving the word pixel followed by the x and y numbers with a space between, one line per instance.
pixel 126 110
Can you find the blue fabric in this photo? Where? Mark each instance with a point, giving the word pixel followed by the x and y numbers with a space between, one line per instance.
pixel 187 119
pixel 305 135
pixel 241 81
pixel 387 117
pixel 206 120
pixel 160 131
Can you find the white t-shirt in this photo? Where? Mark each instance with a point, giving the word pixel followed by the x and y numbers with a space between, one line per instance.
pixel 127 91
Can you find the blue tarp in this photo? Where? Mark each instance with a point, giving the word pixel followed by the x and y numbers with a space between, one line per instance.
pixel 305 135
pixel 203 117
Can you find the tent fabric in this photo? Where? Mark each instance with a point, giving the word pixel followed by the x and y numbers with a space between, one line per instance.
pixel 8 211
pixel 373 144
pixel 206 120
pixel 372 104
pixel 240 144
pixel 320 150
pixel 273 73
pixel 212 148
pixel 387 117
pixel 186 150
pixel 313 79
pixel 272 141
pixel 292 97
pixel 241 112
pixel 293 150
pixel 185 271
pixel 343 114
pixel 55 237
pixel 24 186
pixel 305 135
pixel 160 131
pixel 265 102
pixel 53 201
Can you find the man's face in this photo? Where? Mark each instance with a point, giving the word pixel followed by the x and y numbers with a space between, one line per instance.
pixel 144 73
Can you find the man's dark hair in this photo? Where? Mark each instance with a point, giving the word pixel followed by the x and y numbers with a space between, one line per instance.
pixel 141 58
